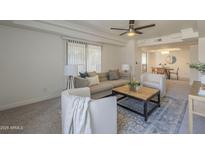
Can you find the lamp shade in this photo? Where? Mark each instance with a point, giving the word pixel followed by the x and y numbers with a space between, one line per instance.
pixel 125 67
pixel 71 70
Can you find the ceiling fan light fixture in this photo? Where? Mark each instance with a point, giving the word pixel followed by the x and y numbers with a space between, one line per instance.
pixel 131 34
pixel 165 52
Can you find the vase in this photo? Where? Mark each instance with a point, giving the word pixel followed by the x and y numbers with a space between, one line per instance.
pixel 134 88
pixel 137 88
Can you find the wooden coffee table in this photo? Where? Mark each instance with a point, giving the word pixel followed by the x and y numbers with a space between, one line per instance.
pixel 144 94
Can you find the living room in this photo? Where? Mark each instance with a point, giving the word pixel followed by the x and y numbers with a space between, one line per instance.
pixel 35 73
pixel 102 76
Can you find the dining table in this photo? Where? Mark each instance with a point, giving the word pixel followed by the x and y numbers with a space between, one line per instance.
pixel 162 70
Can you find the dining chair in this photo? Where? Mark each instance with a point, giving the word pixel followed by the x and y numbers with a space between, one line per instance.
pixel 167 73
pixel 154 70
pixel 175 73
pixel 160 71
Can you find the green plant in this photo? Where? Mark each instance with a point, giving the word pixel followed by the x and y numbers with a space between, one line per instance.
pixel 134 84
pixel 198 66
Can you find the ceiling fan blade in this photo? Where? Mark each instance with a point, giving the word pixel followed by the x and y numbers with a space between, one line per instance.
pixel 123 33
pixel 118 29
pixel 138 32
pixel 147 26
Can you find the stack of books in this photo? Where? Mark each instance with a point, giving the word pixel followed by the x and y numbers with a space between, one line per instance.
pixel 202 91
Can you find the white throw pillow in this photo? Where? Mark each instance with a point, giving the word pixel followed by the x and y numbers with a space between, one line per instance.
pixel 93 80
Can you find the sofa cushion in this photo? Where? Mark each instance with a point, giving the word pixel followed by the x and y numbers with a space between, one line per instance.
pixel 113 74
pixel 91 74
pixel 117 83
pixel 93 80
pixel 125 76
pixel 103 86
pixel 80 82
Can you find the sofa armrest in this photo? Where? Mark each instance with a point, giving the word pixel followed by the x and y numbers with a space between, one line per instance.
pixel 104 115
pixel 83 92
pixel 80 82
pixel 163 86
pixel 142 78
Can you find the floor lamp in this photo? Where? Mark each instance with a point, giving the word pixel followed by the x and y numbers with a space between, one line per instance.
pixel 70 71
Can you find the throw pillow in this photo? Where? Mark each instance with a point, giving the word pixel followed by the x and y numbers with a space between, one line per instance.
pixel 80 82
pixel 91 74
pixel 83 75
pixel 103 76
pixel 113 75
pixel 93 80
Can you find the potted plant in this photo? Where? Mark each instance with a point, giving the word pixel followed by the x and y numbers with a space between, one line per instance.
pixel 134 85
pixel 201 68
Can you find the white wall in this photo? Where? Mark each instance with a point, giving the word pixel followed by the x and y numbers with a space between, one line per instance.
pixel 202 49
pixel 201 53
pixel 151 61
pixel 31 65
pixel 194 58
pixel 111 57
pixel 138 59
pixel 129 56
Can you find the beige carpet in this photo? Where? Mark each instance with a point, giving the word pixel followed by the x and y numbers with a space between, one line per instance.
pixel 44 117
pixel 178 89
pixel 40 118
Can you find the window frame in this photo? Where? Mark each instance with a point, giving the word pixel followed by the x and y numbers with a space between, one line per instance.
pixel 86 53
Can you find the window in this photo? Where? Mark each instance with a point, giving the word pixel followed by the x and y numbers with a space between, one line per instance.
pixel 76 54
pixel 86 56
pixel 93 58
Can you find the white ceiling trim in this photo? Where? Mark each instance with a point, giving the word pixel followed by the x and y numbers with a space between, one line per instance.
pixel 71 30
pixel 184 35
pixel 84 29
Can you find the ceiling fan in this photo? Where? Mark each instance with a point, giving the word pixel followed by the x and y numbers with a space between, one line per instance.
pixel 131 31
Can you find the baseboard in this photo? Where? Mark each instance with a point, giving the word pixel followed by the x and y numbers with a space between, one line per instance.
pixel 28 101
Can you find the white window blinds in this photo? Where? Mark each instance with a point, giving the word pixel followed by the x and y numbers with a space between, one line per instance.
pixel 93 58
pixel 77 54
pixel 86 56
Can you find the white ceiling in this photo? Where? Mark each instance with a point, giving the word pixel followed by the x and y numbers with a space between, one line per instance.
pixel 163 27
pixel 99 30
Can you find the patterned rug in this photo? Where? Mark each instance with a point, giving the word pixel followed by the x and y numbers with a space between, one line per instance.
pixel 164 120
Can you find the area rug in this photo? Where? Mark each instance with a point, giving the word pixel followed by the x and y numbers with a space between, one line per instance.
pixel 45 118
pixel 164 120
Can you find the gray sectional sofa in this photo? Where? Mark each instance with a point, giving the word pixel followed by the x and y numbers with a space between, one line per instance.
pixel 104 88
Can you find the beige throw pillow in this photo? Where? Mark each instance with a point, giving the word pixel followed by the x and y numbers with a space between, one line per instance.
pixel 80 82
pixel 93 80
pixel 91 74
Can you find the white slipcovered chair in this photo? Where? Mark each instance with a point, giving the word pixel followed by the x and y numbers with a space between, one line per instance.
pixel 154 81
pixel 103 111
